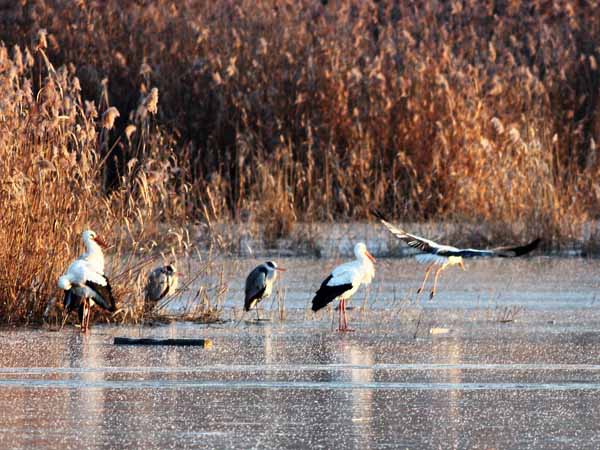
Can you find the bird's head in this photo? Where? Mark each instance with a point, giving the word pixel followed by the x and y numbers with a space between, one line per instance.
pixel 170 269
pixel 273 266
pixel 90 236
pixel 360 251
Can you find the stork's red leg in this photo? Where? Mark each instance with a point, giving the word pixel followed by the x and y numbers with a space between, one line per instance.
pixel 346 319
pixel 85 318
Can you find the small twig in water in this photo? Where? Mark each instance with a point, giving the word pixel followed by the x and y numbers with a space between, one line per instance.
pixel 418 323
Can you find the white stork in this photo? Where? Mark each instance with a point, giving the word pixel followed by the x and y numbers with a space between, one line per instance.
pixel 344 281
pixel 84 282
pixel 445 256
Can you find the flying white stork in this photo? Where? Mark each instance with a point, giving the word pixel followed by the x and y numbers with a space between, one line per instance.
pixel 344 281
pixel 445 256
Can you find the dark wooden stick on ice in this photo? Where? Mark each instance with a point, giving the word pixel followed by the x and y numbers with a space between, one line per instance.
pixel 205 343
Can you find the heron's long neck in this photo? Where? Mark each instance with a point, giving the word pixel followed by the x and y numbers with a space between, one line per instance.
pixel 271 274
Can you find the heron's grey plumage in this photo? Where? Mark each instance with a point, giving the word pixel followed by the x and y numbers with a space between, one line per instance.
pixel 162 282
pixel 259 284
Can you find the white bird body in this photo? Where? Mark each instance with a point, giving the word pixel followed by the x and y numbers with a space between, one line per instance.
pixel 357 272
pixel 431 258
pixel 79 272
pixel 344 281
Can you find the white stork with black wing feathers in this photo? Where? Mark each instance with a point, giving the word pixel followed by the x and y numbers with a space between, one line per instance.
pixel 444 256
pixel 344 281
pixel 84 282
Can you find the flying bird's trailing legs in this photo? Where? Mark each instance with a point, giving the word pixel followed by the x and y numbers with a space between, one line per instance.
pixel 435 280
pixel 439 271
pixel 425 279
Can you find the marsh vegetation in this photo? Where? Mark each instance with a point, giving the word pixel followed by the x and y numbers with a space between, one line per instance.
pixel 154 122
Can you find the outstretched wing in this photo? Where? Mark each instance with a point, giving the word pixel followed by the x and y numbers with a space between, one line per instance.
pixel 508 252
pixel 425 245
pixel 500 252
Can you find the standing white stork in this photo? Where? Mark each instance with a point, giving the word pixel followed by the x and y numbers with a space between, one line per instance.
pixel 162 281
pixel 344 281
pixel 259 284
pixel 84 282
pixel 444 256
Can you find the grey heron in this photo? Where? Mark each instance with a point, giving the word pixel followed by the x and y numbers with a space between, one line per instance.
pixel 162 281
pixel 259 284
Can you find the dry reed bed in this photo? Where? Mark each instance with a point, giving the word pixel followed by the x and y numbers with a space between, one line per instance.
pixel 458 111
pixel 53 147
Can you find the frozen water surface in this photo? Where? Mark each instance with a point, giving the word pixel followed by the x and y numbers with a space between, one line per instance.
pixel 476 382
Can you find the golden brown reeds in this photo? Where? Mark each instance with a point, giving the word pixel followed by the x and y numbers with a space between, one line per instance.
pixel 51 191
pixel 309 110
pixel 426 109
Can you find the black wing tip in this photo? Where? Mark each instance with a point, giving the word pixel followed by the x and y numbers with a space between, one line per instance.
pixel 521 250
pixel 106 294
pixel 322 299
pixel 375 212
pixel 529 247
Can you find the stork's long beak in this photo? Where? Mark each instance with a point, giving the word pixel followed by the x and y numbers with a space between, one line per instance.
pixel 280 269
pixel 100 242
pixel 371 257
pixel 462 265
